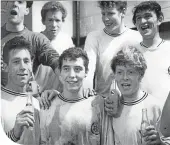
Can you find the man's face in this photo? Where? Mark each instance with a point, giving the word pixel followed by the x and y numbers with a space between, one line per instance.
pixel 112 18
pixel 53 22
pixel 19 67
pixel 147 23
pixel 16 10
pixel 72 74
pixel 127 79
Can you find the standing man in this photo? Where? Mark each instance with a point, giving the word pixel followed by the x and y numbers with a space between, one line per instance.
pixel 17 119
pixel 102 45
pixel 42 49
pixel 53 16
pixel 147 17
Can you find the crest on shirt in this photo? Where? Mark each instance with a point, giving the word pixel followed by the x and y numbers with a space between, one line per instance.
pixel 169 70
pixel 95 128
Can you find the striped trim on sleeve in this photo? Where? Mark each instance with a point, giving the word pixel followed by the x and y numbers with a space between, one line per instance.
pixel 11 135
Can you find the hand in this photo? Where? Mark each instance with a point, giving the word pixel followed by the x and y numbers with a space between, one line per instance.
pixel 24 118
pixel 112 103
pixel 46 97
pixel 151 136
pixel 88 93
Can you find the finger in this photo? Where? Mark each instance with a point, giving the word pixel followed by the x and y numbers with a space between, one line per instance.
pixel 156 142
pixel 94 92
pixel 29 121
pixel 27 115
pixel 40 102
pixel 150 127
pixel 26 110
pixel 86 93
pixel 151 137
pixel 53 94
pixel 150 132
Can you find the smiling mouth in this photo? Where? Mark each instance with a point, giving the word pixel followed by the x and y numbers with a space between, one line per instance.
pixel 21 75
pixel 72 82
pixel 144 27
pixel 13 12
pixel 126 85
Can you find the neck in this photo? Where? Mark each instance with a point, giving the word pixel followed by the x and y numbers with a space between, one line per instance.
pixel 14 28
pixel 73 95
pixel 119 30
pixel 49 36
pixel 155 41
pixel 21 89
pixel 132 97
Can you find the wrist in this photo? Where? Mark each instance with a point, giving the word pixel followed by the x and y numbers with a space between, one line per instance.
pixel 16 133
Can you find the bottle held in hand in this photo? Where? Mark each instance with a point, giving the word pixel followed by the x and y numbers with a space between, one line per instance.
pixel 144 123
pixel 29 103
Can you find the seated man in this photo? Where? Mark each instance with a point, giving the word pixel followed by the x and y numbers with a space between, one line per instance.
pixel 72 118
pixel 20 122
pixel 129 68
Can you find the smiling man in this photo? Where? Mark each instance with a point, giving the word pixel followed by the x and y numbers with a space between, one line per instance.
pixel 147 17
pixel 16 118
pixel 102 45
pixel 73 119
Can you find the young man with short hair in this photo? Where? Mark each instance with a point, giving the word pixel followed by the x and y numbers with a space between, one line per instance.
pixel 129 67
pixel 72 118
pixel 102 45
pixel 147 17
pixel 42 49
pixel 16 117
pixel 53 15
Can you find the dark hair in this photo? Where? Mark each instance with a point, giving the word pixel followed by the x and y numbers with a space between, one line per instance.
pixel 145 6
pixel 73 53
pixel 29 4
pixel 18 42
pixel 120 5
pixel 129 55
pixel 53 6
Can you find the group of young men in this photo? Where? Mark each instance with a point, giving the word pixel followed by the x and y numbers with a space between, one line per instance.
pixel 130 72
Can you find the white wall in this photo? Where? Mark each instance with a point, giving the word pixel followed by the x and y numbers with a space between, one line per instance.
pixel 37 25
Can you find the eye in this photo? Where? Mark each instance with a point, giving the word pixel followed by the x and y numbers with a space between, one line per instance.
pixel 26 61
pixel 65 68
pixel 138 18
pixel 16 62
pixel 77 69
pixel 119 72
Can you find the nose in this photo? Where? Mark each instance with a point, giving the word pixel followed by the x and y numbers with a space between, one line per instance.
pixel 54 24
pixel 72 73
pixel 22 65
pixel 105 17
pixel 143 20
pixel 125 76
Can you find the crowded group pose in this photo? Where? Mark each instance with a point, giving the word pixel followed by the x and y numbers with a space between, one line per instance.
pixel 114 91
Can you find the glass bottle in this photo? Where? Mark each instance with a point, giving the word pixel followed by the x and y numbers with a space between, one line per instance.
pixel 144 123
pixel 29 103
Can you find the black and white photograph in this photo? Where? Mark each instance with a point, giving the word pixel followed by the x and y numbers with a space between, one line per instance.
pixel 85 72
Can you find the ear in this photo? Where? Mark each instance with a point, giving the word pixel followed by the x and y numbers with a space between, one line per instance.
pixel 160 19
pixel 5 67
pixel 123 12
pixel 27 11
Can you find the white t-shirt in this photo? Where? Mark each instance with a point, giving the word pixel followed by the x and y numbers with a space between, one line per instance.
pixel 45 75
pixel 75 122
pixel 156 80
pixel 101 48
pixel 11 104
pixel 128 125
